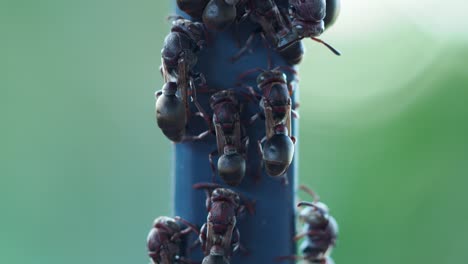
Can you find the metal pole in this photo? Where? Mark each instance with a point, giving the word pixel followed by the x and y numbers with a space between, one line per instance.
pixel 269 233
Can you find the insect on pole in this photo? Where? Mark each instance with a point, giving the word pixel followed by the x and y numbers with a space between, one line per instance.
pixel 269 232
pixel 228 104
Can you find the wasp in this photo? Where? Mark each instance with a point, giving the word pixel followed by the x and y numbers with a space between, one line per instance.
pixel 219 236
pixel 179 56
pixel 284 29
pixel 307 19
pixel 165 238
pixel 231 141
pixel 277 147
pixel 320 231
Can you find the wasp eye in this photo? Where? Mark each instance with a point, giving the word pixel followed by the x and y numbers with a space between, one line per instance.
pixel 261 78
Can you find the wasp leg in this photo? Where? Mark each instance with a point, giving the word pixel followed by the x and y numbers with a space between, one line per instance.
pixel 258 175
pixel 197 137
pixel 244 250
pixel 295 114
pixel 213 166
pixel 194 245
pixel 267 48
pixel 201 111
pixel 245 48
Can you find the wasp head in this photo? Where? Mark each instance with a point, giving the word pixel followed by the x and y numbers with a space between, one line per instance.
pixel 162 248
pixel 267 77
pixel 307 17
pixel 315 214
pixel 195 30
pixel 167 224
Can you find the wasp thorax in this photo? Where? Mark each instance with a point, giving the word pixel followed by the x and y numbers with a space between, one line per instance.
pixel 221 194
pixel 224 96
pixel 278 153
pixel 167 222
pixel 271 76
pixel 195 30
pixel 231 166
pixel 170 113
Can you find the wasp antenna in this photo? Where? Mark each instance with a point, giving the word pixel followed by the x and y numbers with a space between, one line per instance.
pixel 306 204
pixel 310 192
pixel 206 185
pixel 337 52
pixel 247 73
pixel 187 223
pixel 163 70
pixel 250 205
pixel 311 205
pixel 288 69
pixel 267 48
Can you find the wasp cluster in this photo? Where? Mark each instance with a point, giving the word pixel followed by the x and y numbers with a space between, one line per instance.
pixel 282 24
pixel 218 237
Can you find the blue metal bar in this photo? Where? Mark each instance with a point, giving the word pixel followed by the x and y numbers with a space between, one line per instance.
pixel 267 234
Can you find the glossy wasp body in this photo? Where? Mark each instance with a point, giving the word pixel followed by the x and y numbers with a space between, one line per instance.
pixel 179 56
pixel 277 147
pixel 193 8
pixel 231 144
pixel 333 11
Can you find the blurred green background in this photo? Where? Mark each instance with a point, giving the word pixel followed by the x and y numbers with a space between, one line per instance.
pixel 84 169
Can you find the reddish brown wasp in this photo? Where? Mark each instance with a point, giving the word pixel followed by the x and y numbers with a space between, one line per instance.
pixel 283 29
pixel 219 236
pixel 231 142
pixel 307 20
pixel 179 56
pixel 277 147
pixel 165 238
